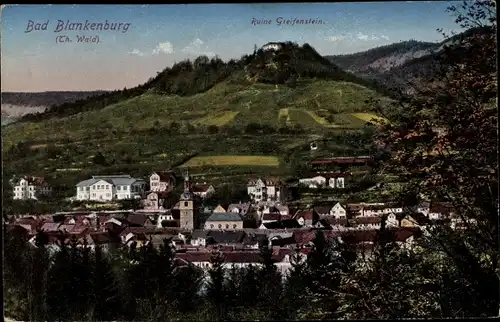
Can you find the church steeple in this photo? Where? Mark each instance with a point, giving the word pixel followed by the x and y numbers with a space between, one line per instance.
pixel 187 185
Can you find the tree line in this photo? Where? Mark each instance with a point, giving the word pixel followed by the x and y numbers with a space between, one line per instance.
pixel 334 280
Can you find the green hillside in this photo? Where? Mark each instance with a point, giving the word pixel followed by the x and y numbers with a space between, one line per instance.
pixel 227 104
pixel 263 105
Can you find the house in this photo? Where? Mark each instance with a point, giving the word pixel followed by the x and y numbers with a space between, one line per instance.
pixel 272 46
pixel 441 210
pixel 326 180
pixel 219 210
pixel 373 209
pixel 337 211
pixel 240 258
pixel 107 188
pixel 29 187
pixel 162 181
pixel 224 221
pixel 367 222
pixel 154 200
pixel 241 208
pixel 267 189
pixel 203 190
pixel 281 224
pixel 139 220
pixel 354 209
pixel 199 238
pixel 333 223
pixel 414 220
pixel 166 220
pixel 313 182
pixel 306 218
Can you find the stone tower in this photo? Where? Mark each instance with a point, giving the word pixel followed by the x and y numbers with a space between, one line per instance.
pixel 188 217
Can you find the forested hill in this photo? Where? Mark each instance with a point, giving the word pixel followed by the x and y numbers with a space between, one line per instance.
pixel 45 98
pixel 398 64
pixel 287 65
pixel 383 58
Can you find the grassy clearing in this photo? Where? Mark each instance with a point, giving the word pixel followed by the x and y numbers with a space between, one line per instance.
pixel 219 119
pixel 371 118
pixel 228 160
pixel 320 120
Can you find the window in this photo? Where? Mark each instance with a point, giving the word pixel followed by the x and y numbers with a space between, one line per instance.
pixel 93 187
pixel 108 194
pixel 93 195
pixel 220 226
pixel 212 226
pixel 119 188
pixel 185 203
pixel 227 226
pixel 234 226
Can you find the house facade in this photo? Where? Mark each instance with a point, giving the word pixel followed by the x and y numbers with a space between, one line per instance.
pixel 163 181
pixel 113 187
pixel 224 221
pixel 203 190
pixel 29 187
pixel 330 180
pixel 264 189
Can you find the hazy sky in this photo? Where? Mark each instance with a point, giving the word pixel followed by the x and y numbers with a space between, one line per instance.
pixel 159 35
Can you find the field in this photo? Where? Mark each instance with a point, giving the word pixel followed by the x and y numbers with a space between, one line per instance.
pixel 218 119
pixel 232 160
pixel 370 118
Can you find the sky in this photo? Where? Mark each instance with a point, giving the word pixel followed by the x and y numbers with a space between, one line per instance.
pixel 37 56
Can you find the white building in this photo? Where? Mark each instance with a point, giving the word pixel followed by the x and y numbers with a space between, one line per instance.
pixel 272 46
pixel 30 187
pixel 162 181
pixel 264 189
pixel 325 180
pixel 107 188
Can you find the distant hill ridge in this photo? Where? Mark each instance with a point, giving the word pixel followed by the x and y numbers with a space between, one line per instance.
pixel 395 64
pixel 48 98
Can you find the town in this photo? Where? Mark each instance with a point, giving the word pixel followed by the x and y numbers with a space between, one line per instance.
pixel 236 229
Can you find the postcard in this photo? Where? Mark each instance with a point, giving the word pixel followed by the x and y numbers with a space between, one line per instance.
pixel 247 134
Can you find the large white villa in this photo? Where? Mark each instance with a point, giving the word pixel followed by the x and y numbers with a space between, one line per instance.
pixel 112 187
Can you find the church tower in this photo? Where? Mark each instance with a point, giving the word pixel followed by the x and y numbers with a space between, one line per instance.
pixel 188 217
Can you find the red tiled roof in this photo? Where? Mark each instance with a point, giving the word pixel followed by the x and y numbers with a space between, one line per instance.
pixel 367 220
pixel 330 174
pixel 272 216
pixel 307 215
pixel 50 226
pixel 336 222
pixel 269 181
pixel 322 209
pixel 100 237
pixel 165 175
pixel 137 230
pixel 137 219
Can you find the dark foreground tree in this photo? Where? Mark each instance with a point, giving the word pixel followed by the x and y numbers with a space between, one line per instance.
pixel 445 147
